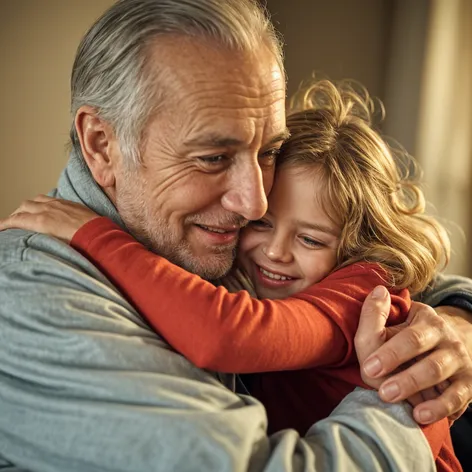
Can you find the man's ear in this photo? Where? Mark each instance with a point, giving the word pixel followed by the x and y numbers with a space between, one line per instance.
pixel 99 146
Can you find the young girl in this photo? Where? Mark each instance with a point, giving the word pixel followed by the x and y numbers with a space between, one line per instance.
pixel 343 217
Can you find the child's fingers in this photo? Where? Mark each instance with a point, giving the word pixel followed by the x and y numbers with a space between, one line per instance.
pixel 27 218
pixel 44 199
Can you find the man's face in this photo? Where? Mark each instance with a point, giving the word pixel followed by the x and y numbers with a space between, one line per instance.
pixel 208 155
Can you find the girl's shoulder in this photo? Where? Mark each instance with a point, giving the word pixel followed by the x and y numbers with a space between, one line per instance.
pixel 371 270
pixel 361 278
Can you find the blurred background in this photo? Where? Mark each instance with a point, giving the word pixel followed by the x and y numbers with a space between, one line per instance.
pixel 415 55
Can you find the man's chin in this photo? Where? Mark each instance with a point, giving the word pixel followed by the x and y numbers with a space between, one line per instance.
pixel 208 266
pixel 214 267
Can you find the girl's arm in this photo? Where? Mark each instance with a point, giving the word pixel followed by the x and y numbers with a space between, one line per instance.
pixel 226 332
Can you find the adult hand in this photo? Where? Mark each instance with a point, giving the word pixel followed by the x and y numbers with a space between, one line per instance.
pixel 442 359
pixel 460 320
pixel 52 216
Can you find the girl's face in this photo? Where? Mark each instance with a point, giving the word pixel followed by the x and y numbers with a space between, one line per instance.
pixel 294 245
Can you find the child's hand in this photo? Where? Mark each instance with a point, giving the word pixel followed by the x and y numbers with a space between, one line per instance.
pixel 52 216
pixel 437 379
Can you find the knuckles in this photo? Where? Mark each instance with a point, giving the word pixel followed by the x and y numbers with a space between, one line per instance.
pixel 417 340
pixel 427 315
pixel 435 368
pixel 461 352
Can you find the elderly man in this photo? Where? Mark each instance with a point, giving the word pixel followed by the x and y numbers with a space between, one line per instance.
pixel 178 111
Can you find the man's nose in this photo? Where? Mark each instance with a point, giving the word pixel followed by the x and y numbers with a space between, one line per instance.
pixel 246 194
pixel 278 249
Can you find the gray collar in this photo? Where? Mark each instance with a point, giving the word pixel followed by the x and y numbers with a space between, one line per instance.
pixel 77 185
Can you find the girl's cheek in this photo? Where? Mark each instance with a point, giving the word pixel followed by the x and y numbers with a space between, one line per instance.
pixel 248 240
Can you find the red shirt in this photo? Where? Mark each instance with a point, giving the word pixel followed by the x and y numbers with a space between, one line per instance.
pixel 311 333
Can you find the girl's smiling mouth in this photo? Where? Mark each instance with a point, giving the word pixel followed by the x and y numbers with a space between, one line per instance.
pixel 271 278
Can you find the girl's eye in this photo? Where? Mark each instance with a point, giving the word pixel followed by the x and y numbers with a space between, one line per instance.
pixel 259 224
pixel 311 242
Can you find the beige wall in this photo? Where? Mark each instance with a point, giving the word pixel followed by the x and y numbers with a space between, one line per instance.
pixel 38 39
pixel 339 38
pixel 377 42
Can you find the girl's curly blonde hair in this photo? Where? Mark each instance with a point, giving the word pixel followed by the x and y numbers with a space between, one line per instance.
pixel 371 190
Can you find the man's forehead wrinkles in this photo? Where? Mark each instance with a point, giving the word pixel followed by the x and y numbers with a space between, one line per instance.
pixel 200 116
pixel 221 95
pixel 254 85
pixel 231 75
pixel 221 104
pixel 231 111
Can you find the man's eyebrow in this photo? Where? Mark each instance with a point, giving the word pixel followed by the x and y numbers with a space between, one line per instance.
pixel 217 140
pixel 283 136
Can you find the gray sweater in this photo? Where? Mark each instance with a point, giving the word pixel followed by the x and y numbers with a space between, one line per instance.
pixel 87 386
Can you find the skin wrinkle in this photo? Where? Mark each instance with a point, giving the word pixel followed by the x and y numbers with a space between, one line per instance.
pixel 248 92
pixel 216 111
pixel 237 110
pixel 175 190
pixel 253 92
pixel 244 94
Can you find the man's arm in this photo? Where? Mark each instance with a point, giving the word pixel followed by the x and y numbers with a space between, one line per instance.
pixel 452 290
pixel 451 296
pixel 85 386
pixel 440 344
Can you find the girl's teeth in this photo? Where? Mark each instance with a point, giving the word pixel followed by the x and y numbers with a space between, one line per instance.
pixel 274 276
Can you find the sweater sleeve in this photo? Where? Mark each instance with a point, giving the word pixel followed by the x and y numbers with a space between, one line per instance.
pixel 227 332
pixel 85 386
pixel 451 290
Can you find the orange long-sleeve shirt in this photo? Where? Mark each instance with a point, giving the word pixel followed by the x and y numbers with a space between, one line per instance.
pixel 232 332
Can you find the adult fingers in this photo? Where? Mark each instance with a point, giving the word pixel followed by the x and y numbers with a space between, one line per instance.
pixel 371 332
pixel 442 386
pixel 425 331
pixel 434 368
pixel 416 399
pixel 451 403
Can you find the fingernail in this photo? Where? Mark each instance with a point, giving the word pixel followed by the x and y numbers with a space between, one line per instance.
pixel 372 367
pixel 426 416
pixel 390 391
pixel 379 292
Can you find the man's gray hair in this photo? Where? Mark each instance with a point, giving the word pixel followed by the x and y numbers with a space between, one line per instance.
pixel 109 71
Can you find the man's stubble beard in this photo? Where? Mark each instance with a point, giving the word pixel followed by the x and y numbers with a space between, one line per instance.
pixel 154 233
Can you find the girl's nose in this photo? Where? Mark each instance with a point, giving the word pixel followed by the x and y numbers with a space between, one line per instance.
pixel 278 251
